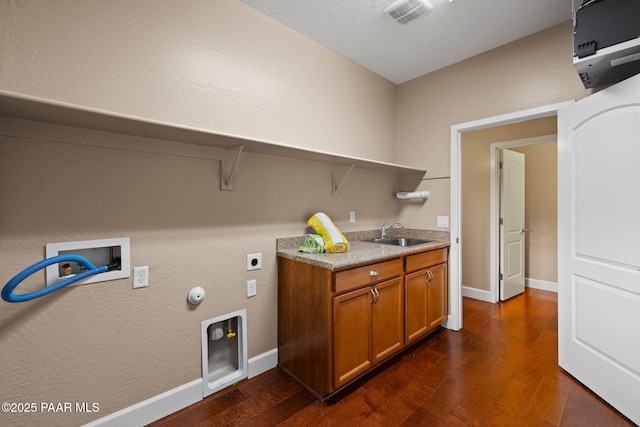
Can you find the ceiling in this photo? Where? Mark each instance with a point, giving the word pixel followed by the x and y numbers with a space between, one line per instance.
pixel 453 31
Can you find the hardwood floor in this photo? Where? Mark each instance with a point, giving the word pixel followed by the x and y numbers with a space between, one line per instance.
pixel 499 370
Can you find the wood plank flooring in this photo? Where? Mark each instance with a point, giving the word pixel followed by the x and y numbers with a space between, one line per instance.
pixel 501 369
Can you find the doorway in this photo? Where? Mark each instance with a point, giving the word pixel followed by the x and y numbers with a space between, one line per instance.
pixel 480 201
pixel 457 236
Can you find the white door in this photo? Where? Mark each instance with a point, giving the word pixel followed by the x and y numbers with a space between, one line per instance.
pixel 512 224
pixel 599 244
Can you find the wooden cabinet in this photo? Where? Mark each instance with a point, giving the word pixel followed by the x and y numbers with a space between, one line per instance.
pixel 388 319
pixel 367 328
pixel 426 302
pixel 416 307
pixel 437 300
pixel 352 341
pixel 334 326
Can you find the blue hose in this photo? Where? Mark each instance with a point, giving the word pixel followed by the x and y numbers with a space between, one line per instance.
pixel 9 296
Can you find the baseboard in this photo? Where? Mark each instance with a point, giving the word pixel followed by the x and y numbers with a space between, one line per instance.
pixel 263 362
pixel 167 403
pixel 541 284
pixel 486 296
pixel 154 408
pixel 478 294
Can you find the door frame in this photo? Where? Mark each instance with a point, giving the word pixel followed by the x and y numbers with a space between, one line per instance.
pixel 454 321
pixel 494 215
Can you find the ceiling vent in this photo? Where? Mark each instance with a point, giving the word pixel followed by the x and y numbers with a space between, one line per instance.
pixel 405 11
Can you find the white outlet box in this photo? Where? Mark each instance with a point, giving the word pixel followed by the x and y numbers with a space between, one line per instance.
pixel 352 216
pixel 254 262
pixel 140 277
pixel 98 252
pixel 252 288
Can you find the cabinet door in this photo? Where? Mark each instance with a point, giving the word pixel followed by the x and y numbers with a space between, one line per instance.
pixel 437 298
pixel 388 319
pixel 352 341
pixel 417 323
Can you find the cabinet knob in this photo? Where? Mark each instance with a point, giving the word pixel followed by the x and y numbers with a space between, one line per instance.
pixel 373 273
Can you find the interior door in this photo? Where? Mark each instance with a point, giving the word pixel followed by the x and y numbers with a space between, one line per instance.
pixel 512 231
pixel 599 244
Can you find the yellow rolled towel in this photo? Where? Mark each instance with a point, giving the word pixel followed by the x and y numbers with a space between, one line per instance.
pixel 334 241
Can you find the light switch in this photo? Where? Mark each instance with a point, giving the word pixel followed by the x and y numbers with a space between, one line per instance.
pixel 443 221
pixel 251 288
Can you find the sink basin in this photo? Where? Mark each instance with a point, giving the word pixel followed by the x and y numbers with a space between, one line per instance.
pixel 400 241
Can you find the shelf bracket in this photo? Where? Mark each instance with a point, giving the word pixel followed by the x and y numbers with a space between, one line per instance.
pixel 228 167
pixel 338 180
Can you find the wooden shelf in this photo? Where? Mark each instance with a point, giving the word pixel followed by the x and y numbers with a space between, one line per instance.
pixel 19 106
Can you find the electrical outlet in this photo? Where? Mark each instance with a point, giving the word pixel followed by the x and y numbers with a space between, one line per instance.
pixel 251 288
pixel 254 262
pixel 140 277
pixel 352 217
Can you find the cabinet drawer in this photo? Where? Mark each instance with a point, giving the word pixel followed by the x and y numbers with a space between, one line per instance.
pixel 366 275
pixel 426 259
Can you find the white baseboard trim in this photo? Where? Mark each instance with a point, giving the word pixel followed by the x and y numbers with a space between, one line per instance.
pixel 263 362
pixel 541 284
pixel 478 294
pixel 167 403
pixel 154 408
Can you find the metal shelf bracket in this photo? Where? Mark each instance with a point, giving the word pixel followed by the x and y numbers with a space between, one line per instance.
pixel 339 180
pixel 228 166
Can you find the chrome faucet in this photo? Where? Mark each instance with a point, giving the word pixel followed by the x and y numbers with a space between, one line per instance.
pixel 384 232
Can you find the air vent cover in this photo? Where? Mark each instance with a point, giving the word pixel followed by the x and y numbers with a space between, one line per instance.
pixel 404 11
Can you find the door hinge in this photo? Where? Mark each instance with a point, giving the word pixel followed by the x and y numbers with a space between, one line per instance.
pixel 500 276
pixel 500 165
pixel 501 221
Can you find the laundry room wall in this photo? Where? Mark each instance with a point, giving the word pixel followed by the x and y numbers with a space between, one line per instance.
pixel 216 66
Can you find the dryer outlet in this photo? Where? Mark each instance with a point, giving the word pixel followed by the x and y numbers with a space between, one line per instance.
pixel 254 261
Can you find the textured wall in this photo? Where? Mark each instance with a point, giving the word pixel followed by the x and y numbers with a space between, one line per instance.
pixel 221 66
pixel 107 342
pixel 530 72
pixel 217 65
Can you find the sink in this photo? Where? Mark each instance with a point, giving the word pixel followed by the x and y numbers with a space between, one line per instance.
pixel 400 241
